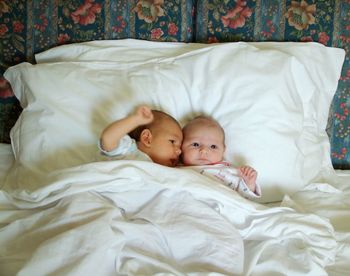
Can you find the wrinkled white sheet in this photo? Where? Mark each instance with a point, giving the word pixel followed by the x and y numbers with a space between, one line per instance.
pixel 6 160
pixel 332 201
pixel 139 218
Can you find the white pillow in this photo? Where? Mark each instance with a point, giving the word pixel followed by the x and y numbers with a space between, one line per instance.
pixel 123 50
pixel 271 98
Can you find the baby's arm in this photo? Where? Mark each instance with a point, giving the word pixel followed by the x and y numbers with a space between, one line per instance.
pixel 112 134
pixel 249 176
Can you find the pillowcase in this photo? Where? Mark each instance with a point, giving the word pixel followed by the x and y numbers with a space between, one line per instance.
pixel 272 99
pixel 123 50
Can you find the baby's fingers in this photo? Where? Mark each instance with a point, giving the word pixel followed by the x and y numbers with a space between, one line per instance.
pixel 145 112
pixel 248 171
pixel 253 173
pixel 244 169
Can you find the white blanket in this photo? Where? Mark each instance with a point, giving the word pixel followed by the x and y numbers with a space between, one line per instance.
pixel 139 218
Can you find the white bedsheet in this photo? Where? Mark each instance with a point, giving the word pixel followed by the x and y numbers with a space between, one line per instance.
pixel 6 159
pixel 332 202
pixel 139 218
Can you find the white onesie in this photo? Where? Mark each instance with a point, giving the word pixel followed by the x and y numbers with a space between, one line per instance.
pixel 126 150
pixel 229 176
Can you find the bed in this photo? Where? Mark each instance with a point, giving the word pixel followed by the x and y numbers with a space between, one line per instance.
pixel 66 210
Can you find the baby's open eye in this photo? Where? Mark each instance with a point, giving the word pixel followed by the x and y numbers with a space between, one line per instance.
pixel 195 144
pixel 172 141
pixel 213 146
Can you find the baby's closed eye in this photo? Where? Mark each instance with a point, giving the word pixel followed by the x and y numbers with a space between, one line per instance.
pixel 175 142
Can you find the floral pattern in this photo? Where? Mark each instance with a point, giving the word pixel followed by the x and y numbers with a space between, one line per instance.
pixel 59 22
pixel 300 15
pixel 322 21
pixel 236 17
pixel 86 13
pixel 149 11
pixel 207 21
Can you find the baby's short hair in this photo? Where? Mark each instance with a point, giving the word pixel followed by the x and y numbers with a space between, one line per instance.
pixel 207 118
pixel 158 118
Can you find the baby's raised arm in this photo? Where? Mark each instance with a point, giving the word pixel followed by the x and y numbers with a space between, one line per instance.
pixel 112 134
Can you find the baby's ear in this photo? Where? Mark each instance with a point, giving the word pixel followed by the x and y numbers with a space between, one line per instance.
pixel 146 137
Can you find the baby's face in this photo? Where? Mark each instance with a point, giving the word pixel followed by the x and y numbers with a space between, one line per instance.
pixel 166 144
pixel 202 145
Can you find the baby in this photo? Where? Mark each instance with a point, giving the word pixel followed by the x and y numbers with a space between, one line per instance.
pixel 148 135
pixel 203 147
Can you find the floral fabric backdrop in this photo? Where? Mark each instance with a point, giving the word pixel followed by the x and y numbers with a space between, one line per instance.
pixel 323 21
pixel 29 27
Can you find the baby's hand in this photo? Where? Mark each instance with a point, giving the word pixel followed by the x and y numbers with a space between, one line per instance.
pixel 249 176
pixel 144 115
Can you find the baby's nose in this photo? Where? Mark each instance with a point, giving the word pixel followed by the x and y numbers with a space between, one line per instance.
pixel 178 151
pixel 203 150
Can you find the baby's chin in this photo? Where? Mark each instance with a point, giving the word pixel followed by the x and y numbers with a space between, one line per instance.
pixel 199 162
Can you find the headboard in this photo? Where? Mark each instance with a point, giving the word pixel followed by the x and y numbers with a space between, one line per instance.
pixel 29 27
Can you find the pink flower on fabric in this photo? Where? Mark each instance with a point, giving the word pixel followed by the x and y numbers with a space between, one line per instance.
pixel 271 29
pixel 323 38
pixel 346 76
pixel 44 22
pixel 172 29
pixel 344 113
pixel 62 38
pixel 235 18
pixel 3 29
pixel 212 39
pixel 341 155
pixel 156 33
pixel 149 10
pixel 17 26
pixel 5 88
pixel 86 13
pixel 306 39
pixel 121 24
pixel 343 106
pixel 300 15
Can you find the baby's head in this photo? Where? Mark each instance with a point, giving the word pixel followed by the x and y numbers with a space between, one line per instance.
pixel 161 139
pixel 203 142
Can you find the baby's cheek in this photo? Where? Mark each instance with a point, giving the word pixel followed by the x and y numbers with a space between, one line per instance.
pixel 186 158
